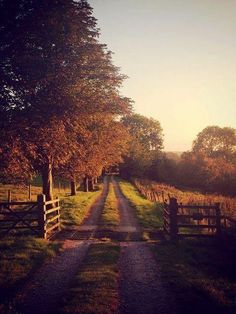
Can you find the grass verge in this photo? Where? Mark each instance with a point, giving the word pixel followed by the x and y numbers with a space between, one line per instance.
pixel 95 288
pixel 75 208
pixel 201 274
pixel 149 214
pixel 110 213
pixel 19 257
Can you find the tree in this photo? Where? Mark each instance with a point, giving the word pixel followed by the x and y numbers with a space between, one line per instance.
pixel 102 144
pixel 52 71
pixel 211 165
pixel 215 142
pixel 146 142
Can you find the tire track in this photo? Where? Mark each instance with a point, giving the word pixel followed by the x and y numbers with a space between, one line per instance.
pixel 141 288
pixel 43 293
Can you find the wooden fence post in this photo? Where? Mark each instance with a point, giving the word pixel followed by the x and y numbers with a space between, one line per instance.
pixel 41 199
pixel 173 209
pixel 218 219
pixel 58 213
pixel 9 196
pixel 29 192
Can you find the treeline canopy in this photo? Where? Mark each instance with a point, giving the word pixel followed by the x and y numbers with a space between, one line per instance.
pixel 60 104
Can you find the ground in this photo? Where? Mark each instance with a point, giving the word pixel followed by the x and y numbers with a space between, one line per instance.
pixel 115 265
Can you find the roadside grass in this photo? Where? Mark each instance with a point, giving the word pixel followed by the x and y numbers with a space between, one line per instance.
pixel 110 214
pixel 19 257
pixel 200 273
pixel 148 213
pixel 75 208
pixel 95 288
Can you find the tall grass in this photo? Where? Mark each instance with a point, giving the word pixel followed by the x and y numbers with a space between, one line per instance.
pixel 163 191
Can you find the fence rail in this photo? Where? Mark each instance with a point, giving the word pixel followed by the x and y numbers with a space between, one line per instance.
pixel 41 217
pixel 206 220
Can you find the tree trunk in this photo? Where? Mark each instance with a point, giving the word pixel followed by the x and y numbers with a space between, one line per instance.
pixel 73 187
pixel 47 181
pixel 96 180
pixel 86 184
pixel 91 184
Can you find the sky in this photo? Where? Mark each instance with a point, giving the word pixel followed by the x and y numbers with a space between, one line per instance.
pixel 180 57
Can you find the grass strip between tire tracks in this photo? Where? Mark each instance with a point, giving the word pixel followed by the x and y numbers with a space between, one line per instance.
pixel 95 288
pixel 110 213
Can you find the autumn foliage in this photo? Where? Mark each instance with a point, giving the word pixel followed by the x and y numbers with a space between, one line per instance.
pixel 60 100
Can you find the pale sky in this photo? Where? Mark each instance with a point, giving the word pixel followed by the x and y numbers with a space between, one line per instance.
pixel 180 57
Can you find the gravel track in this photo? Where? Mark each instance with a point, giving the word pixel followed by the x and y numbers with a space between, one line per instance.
pixel 97 207
pixel 140 286
pixel 43 292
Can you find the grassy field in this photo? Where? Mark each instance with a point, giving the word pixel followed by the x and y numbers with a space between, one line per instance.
pixel 95 288
pixel 228 204
pixel 75 208
pixel 19 257
pixel 149 214
pixel 201 274
pixel 110 213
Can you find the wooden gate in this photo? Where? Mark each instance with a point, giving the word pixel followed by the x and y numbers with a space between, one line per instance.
pixel 191 220
pixel 41 218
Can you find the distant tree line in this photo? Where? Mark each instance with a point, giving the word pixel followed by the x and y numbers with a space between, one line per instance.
pixel 210 166
pixel 60 104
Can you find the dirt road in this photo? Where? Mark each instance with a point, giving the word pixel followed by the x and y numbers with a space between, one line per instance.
pixel 141 289
pixel 44 291
pixel 141 286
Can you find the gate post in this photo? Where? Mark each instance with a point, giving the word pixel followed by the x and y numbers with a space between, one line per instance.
pixel 41 200
pixel 173 209
pixel 218 219
pixel 58 213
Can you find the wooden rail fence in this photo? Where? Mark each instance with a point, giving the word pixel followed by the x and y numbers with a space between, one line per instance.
pixel 180 220
pixel 41 218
